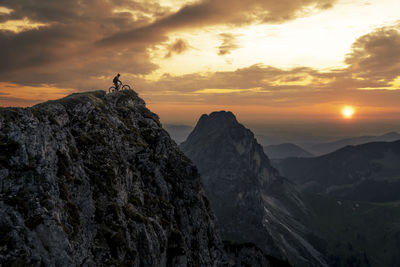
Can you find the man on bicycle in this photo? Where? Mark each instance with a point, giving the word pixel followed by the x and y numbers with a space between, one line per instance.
pixel 116 81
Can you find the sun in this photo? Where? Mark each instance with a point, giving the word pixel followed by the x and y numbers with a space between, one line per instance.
pixel 348 112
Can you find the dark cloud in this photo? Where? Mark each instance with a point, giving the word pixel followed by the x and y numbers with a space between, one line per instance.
pixel 214 12
pixel 229 43
pixel 75 11
pixel 63 53
pixel 86 72
pixel 376 56
pixel 85 41
pixel 177 47
pixel 265 78
pixel 36 47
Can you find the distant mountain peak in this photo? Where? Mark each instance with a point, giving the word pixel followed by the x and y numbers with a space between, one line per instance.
pixel 217 118
pixel 253 203
pixel 221 126
pixel 222 114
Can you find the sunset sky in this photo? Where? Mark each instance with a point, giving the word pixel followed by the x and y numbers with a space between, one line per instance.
pixel 268 61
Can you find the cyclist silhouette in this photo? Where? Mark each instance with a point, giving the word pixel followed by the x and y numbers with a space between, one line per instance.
pixel 116 81
pixel 118 85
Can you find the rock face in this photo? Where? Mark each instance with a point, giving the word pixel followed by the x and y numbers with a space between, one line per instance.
pixel 93 179
pixel 252 202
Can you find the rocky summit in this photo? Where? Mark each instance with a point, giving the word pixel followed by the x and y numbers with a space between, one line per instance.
pixel 252 202
pixel 93 180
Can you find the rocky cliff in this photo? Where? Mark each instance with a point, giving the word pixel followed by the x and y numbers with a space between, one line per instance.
pixel 252 202
pixel 93 179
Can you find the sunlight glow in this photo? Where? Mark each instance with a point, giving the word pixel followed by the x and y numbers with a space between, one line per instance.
pixel 4 10
pixel 348 112
pixel 227 91
pixel 18 26
pixel 320 40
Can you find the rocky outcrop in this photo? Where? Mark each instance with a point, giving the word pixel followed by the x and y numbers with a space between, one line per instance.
pixel 252 202
pixel 93 179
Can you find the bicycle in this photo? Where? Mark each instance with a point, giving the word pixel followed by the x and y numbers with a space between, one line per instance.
pixel 120 87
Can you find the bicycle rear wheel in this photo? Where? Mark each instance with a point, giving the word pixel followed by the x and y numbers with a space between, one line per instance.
pixel 111 89
pixel 126 87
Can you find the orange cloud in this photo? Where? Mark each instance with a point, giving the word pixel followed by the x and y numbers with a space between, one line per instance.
pixel 23 96
pixel 376 55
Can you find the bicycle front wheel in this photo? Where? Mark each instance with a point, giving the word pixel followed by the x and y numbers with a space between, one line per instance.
pixel 111 89
pixel 126 87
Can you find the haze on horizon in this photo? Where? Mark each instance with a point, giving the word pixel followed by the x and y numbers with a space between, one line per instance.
pixel 290 63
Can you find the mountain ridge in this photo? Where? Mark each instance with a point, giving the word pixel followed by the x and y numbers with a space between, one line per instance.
pixel 94 180
pixel 325 148
pixel 367 172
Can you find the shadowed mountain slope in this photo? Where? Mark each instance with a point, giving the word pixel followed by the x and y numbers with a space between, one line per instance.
pixel 369 172
pixel 325 148
pixel 252 202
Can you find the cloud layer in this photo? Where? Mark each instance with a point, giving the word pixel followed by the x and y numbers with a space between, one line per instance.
pixel 376 56
pixel 372 78
pixel 95 38
pixel 82 44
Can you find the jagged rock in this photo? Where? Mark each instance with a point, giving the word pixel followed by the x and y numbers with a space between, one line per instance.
pixel 252 202
pixel 93 179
